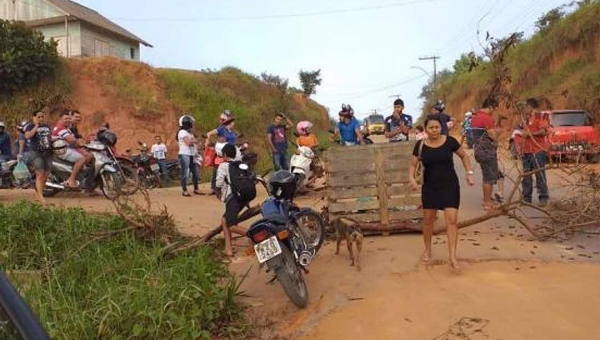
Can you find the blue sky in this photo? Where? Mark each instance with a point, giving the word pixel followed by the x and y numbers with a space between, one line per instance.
pixel 367 50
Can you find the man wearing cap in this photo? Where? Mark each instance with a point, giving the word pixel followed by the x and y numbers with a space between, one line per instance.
pixel 398 125
pixel 5 148
pixel 447 121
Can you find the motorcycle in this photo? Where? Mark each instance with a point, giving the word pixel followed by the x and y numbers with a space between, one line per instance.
pixel 103 172
pixel 287 238
pixel 124 165
pixel 8 180
pixel 148 170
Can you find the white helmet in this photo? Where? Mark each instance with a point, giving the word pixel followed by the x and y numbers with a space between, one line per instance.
pixel 468 114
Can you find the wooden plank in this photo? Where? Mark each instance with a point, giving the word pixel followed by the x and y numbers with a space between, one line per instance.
pixel 381 188
pixel 359 192
pixel 365 179
pixel 397 163
pixel 398 203
pixel 350 156
pixel 374 216
pixel 335 149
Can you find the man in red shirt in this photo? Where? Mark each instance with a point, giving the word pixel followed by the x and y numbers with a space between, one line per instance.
pixel 532 146
pixel 485 133
pixel 69 154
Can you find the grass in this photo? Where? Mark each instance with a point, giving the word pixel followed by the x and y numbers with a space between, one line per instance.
pixel 52 91
pixel 120 288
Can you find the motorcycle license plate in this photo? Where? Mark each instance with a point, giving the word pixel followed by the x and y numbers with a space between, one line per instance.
pixel 154 167
pixel 267 249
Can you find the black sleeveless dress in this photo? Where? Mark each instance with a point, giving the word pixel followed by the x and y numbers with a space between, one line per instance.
pixel 440 188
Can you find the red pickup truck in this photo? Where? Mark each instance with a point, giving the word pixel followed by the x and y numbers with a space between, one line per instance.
pixel 573 133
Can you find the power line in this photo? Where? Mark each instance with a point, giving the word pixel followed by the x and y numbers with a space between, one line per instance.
pixel 434 58
pixel 281 16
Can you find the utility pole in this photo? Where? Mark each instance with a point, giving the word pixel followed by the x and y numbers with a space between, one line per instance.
pixel 395 96
pixel 434 58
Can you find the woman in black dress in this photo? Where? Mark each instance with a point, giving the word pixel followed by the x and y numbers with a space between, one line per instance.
pixel 440 189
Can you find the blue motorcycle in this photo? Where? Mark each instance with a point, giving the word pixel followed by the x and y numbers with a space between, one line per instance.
pixel 288 237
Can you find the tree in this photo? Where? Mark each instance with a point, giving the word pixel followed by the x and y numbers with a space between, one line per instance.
pixel 546 21
pixel 466 63
pixel 309 81
pixel 25 58
pixel 274 80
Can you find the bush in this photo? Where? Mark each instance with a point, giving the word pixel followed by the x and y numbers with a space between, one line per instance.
pixel 25 57
pixel 120 288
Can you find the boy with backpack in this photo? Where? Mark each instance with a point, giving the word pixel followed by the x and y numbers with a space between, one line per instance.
pixel 235 186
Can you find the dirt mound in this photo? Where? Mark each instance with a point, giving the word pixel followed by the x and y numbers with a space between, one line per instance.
pixel 103 92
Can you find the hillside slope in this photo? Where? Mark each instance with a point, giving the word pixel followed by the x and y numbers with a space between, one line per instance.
pixel 560 64
pixel 140 102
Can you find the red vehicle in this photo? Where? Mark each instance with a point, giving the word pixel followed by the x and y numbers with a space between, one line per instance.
pixel 573 133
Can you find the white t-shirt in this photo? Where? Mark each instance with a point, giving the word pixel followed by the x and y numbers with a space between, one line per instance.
pixel 159 151
pixel 185 149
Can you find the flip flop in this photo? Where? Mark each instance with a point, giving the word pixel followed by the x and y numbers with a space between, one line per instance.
pixel 186 194
pixel 198 192
pixel 69 187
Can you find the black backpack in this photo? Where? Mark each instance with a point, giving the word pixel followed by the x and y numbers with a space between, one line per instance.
pixel 242 182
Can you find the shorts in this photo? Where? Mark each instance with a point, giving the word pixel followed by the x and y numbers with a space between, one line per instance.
pixel 71 155
pixel 41 161
pixel 232 209
pixel 489 169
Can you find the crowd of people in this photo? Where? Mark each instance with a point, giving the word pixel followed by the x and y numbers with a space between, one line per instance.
pixel 435 148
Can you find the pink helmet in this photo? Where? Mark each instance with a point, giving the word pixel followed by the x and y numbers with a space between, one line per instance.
pixel 226 117
pixel 304 127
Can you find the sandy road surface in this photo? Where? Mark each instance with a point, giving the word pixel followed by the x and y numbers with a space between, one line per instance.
pixel 512 286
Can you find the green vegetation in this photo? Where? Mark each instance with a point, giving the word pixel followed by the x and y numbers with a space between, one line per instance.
pixel 53 90
pixel 116 288
pixel 309 81
pixel 139 96
pixel 559 62
pixel 25 57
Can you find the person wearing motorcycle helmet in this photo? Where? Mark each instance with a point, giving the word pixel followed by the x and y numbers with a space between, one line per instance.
pixel 437 110
pixel 22 144
pixel 5 145
pixel 305 137
pixel 348 128
pixel 398 125
pixel 277 139
pixel 187 150
pixel 225 131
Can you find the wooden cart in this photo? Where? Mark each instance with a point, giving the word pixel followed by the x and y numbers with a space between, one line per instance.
pixel 370 185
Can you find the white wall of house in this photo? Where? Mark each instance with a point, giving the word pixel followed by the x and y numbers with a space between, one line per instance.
pixel 97 43
pixel 27 10
pixel 59 33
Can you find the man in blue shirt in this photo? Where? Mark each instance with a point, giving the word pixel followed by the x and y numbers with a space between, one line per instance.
pixel 398 125
pixel 277 139
pixel 348 128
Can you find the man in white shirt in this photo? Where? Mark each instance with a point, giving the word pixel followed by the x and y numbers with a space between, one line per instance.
pixel 159 151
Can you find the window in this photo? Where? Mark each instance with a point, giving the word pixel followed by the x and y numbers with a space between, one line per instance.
pixel 101 48
pixel 132 53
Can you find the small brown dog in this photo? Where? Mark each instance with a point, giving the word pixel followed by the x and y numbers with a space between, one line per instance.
pixel 349 230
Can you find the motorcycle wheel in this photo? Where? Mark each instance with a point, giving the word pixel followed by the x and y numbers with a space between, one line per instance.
pixel 290 276
pixel 130 180
pixel 311 227
pixel 110 185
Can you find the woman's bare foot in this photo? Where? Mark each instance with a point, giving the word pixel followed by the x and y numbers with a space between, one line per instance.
pixel 426 256
pixel 454 264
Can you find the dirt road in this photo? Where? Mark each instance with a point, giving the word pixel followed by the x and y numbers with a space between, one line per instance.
pixel 510 287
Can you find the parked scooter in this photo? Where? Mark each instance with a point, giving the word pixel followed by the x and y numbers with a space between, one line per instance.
pixel 301 166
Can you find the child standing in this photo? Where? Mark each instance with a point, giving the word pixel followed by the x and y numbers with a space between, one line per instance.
pixel 233 203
